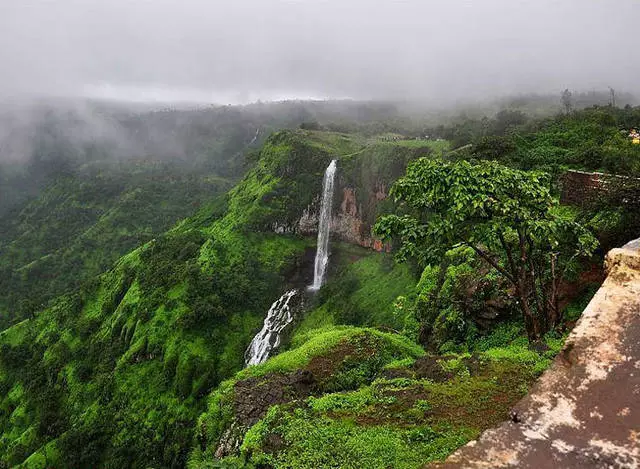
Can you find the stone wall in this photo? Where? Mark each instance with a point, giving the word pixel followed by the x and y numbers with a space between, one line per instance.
pixel 582 188
pixel 578 187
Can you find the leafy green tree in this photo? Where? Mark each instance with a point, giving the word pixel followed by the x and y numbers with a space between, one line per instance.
pixel 506 120
pixel 506 216
pixel 494 147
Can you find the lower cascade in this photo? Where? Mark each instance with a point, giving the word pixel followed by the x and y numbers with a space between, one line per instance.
pixel 279 316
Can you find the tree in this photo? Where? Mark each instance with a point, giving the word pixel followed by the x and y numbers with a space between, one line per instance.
pixel 508 119
pixel 612 97
pixel 495 147
pixel 506 216
pixel 310 125
pixel 567 100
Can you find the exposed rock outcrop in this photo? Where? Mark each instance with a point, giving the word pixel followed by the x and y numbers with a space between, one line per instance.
pixel 252 399
pixel 353 217
pixel 365 173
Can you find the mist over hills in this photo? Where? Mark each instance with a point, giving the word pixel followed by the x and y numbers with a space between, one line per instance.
pixel 227 52
pixel 141 247
pixel 166 167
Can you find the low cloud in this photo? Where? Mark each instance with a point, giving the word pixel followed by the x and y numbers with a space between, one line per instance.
pixel 243 50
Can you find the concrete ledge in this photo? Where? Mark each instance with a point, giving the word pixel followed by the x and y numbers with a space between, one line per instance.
pixel 584 411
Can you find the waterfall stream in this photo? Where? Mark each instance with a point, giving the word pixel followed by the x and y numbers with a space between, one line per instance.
pixel 324 224
pixel 280 315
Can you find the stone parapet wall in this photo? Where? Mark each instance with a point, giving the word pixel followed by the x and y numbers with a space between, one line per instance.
pixel 583 188
pixel 579 187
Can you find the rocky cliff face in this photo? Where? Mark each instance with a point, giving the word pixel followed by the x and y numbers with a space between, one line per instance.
pixel 365 173
pixel 353 216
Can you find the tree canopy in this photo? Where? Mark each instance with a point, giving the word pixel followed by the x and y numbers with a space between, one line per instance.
pixel 507 216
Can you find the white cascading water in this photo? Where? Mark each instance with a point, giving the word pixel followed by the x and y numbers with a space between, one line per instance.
pixel 268 339
pixel 280 314
pixel 324 224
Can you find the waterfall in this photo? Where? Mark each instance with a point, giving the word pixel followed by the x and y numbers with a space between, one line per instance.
pixel 255 137
pixel 268 339
pixel 280 315
pixel 322 250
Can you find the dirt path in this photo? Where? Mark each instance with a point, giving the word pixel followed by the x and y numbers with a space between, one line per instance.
pixel 584 412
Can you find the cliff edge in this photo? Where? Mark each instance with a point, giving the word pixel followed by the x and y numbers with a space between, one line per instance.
pixel 583 412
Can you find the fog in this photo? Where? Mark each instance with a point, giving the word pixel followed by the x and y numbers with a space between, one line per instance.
pixel 237 51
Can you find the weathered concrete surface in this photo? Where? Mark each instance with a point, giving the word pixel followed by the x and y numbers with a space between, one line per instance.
pixel 584 412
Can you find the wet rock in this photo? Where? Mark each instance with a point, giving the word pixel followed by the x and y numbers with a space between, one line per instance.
pixel 254 396
pixel 538 346
pixel 350 221
pixel 230 441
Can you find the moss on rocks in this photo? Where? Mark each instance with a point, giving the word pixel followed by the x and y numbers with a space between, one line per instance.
pixel 349 395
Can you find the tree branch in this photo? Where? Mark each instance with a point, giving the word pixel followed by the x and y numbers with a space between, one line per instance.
pixel 493 264
pixel 505 246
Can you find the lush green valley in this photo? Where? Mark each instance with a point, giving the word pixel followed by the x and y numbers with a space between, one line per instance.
pixel 97 181
pixel 79 226
pixel 131 291
pixel 175 314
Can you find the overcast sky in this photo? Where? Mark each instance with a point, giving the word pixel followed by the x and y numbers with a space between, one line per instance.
pixel 231 51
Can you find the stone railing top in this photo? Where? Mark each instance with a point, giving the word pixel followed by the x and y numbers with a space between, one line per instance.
pixel 623 263
pixel 632 245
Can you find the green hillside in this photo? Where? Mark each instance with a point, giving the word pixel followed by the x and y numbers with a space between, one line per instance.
pixel 137 359
pixel 175 314
pixel 84 184
pixel 80 225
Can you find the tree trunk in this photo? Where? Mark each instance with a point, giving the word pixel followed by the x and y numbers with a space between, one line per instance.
pixel 531 322
pixel 533 326
pixel 553 302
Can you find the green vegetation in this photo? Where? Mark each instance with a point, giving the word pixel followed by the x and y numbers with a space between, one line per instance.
pixel 506 216
pixel 450 298
pixel 439 147
pixel 318 441
pixel 175 314
pixel 129 322
pixel 591 139
pixel 82 224
pixel 362 292
pixel 401 412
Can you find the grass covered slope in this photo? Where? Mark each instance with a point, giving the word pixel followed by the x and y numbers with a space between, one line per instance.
pixel 124 363
pixel 79 226
pixel 353 397
pixel 116 373
pixel 349 396
pixel 362 289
